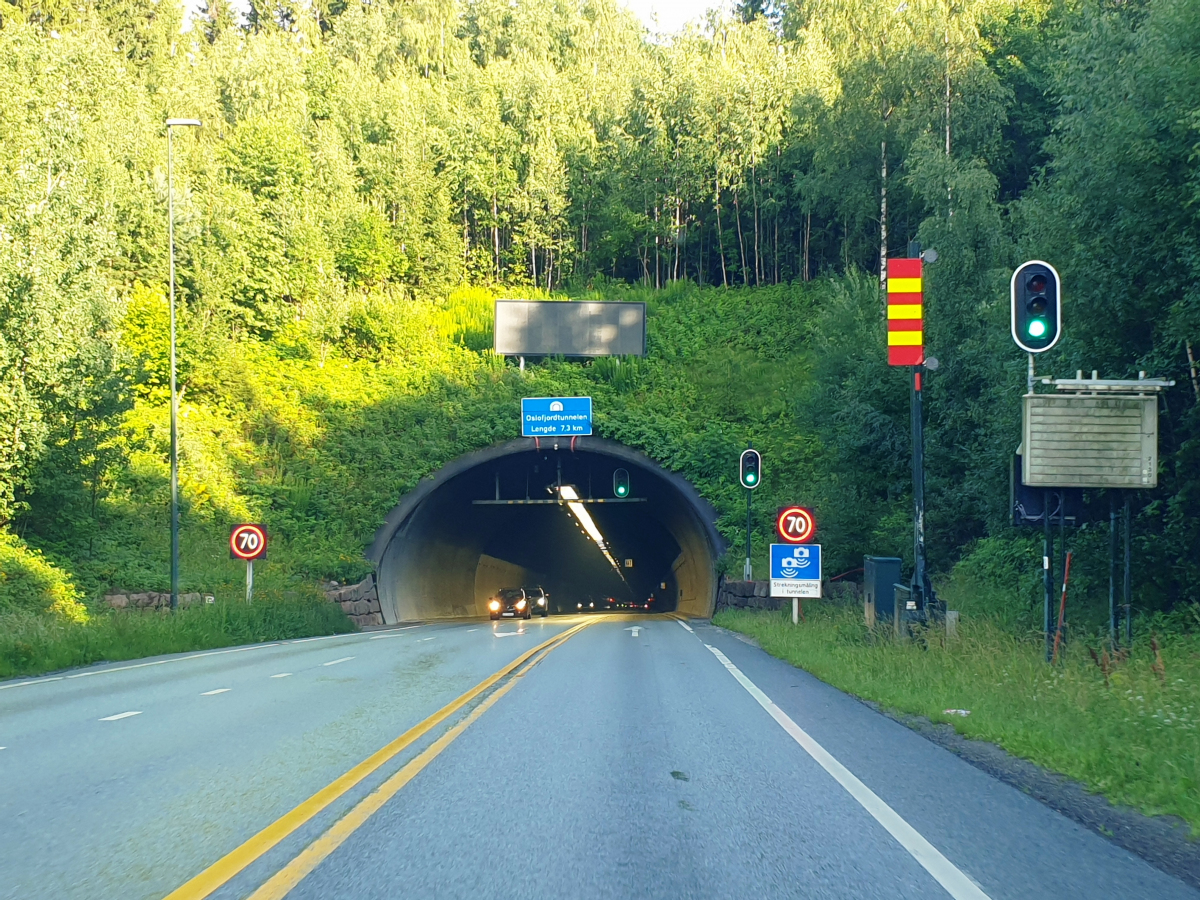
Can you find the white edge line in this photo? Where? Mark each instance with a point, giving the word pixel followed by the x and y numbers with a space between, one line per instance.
pixel 376 637
pixel 163 662
pixel 685 625
pixel 124 715
pixel 949 876
pixel 5 687
pixel 334 662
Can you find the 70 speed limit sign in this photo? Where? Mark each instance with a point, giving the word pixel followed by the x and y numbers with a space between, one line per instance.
pixel 795 524
pixel 248 542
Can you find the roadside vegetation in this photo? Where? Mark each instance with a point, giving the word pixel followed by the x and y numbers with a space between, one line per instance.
pixel 1131 733
pixel 33 644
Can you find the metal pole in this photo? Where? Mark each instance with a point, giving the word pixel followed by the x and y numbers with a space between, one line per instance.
pixel 1112 572
pixel 1029 376
pixel 1047 571
pixel 1128 578
pixel 249 580
pixel 174 397
pixel 749 572
pixel 920 580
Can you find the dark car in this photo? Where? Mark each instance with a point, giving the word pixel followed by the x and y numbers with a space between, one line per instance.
pixel 539 600
pixel 510 603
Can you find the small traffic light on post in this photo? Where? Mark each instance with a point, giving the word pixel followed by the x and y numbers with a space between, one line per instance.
pixel 1036 306
pixel 751 469
pixel 620 484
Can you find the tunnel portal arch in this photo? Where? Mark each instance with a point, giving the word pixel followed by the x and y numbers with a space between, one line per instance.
pixel 448 545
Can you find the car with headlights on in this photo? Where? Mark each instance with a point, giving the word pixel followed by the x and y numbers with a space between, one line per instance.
pixel 539 600
pixel 510 603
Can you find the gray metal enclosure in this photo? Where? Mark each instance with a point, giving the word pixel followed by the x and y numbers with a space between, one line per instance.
pixel 567 328
pixel 1090 441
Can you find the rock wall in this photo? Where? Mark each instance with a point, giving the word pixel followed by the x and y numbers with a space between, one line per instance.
pixel 153 600
pixel 359 601
pixel 757 594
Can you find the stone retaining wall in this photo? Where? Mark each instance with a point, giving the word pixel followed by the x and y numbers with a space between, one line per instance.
pixel 757 595
pixel 359 601
pixel 153 600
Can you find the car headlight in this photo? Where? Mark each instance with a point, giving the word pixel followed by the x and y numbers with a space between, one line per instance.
pixel 494 606
pixel 520 604
pixel 542 602
pixel 579 606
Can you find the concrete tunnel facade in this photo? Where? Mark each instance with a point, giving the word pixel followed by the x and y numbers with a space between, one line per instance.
pixel 469 530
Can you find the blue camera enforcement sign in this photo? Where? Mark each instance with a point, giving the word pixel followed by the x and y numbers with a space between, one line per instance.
pixel 556 416
pixel 795 570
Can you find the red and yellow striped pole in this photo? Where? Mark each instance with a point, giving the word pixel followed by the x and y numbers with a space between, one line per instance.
pixel 905 313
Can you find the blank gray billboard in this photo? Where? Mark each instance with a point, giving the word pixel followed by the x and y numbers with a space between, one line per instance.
pixel 567 328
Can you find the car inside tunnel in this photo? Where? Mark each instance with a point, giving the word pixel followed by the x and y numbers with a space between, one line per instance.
pixel 520 515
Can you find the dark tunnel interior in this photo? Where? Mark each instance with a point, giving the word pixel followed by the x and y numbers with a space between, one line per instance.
pixel 498 519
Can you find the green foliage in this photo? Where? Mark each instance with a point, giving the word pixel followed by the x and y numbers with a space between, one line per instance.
pixel 1130 735
pixel 32 644
pixel 31 584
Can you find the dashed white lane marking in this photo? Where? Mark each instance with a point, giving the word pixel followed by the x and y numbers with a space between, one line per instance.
pixel 469 630
pixel 944 872
pixel 217 691
pixel 124 715
pixel 334 662
pixel 425 639
pixel 685 625
pixel 283 675
pixel 3 748
pixel 380 637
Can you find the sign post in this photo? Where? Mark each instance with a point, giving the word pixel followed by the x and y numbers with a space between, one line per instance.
pixel 248 542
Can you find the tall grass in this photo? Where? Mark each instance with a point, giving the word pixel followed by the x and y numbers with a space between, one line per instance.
pixel 1133 735
pixel 31 644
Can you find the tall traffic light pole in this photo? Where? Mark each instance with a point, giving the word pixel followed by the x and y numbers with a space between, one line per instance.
pixel 750 475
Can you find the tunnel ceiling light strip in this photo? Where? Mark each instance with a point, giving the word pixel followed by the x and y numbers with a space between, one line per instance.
pixel 567 492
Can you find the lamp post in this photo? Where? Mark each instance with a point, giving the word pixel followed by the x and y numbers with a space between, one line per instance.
pixel 173 123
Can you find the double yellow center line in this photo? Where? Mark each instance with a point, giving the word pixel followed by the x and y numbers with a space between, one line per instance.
pixel 234 862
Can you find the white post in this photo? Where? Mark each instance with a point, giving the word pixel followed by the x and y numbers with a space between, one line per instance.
pixel 795 610
pixel 249 579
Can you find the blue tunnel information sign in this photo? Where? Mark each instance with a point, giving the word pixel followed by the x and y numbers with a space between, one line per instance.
pixel 556 416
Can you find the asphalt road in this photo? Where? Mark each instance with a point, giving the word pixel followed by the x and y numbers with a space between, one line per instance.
pixel 669 762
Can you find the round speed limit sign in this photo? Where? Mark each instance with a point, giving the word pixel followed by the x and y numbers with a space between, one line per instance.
pixel 795 524
pixel 248 542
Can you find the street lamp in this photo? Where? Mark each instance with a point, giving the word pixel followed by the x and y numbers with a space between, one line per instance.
pixel 174 123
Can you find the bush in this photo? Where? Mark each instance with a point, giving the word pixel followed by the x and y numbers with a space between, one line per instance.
pixel 33 643
pixel 29 583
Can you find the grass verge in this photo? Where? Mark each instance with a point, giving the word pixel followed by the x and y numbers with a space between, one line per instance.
pixel 1133 736
pixel 31 644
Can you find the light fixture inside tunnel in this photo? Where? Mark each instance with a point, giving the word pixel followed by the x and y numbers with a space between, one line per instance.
pixel 567 492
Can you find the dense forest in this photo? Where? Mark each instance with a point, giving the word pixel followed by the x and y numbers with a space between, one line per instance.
pixel 360 163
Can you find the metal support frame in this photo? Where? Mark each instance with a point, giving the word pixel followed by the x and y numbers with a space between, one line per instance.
pixel 1112 572
pixel 922 589
pixel 1047 573
pixel 1128 592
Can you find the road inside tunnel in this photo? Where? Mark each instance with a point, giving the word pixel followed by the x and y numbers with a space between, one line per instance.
pixel 519 515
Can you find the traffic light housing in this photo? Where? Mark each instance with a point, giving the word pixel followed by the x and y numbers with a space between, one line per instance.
pixel 1036 306
pixel 750 470
pixel 621 484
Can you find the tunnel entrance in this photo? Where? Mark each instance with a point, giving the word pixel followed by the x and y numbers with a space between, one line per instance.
pixel 516 515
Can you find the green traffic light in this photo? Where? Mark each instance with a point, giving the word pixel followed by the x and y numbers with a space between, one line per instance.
pixel 750 477
pixel 1036 328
